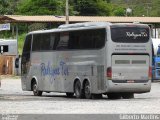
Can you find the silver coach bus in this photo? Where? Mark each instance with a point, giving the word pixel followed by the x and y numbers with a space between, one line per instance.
pixel 88 60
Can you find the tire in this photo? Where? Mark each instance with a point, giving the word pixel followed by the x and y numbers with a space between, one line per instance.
pixel 78 90
pixel 114 96
pixel 35 91
pixel 69 94
pixel 87 90
pixel 128 95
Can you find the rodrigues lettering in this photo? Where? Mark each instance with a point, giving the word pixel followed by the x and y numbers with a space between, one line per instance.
pixel 52 71
pixel 134 35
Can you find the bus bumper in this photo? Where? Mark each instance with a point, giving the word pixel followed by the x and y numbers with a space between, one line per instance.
pixel 128 87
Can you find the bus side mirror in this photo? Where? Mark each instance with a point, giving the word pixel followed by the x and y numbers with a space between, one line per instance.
pixel 17 63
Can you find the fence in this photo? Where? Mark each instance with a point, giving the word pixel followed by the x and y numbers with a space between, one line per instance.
pixel 7 65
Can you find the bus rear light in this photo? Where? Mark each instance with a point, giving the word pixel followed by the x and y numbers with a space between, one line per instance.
pixel 109 73
pixel 150 73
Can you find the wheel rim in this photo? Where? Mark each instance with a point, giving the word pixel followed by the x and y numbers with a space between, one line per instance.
pixel 35 89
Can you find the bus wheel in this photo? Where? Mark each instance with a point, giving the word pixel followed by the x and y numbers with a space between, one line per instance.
pixel 128 95
pixel 69 94
pixel 87 90
pixel 35 91
pixel 114 96
pixel 77 89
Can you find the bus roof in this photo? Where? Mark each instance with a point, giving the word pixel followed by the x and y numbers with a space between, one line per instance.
pixel 82 26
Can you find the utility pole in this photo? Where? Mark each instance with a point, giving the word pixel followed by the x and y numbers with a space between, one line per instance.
pixel 67 12
pixel 148 7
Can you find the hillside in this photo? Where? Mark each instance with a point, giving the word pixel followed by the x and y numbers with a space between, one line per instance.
pixel 77 7
pixel 140 7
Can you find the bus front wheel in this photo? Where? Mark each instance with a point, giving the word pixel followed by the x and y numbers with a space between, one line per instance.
pixel 36 92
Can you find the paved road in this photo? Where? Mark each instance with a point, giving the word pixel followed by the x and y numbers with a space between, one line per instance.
pixel 15 101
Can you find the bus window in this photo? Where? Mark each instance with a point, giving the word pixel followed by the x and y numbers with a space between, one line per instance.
pixel 27 45
pixel 130 34
pixel 63 42
pixel 45 42
pixel 42 42
pixel 57 38
pixel 87 39
pixel 36 44
pixel 26 55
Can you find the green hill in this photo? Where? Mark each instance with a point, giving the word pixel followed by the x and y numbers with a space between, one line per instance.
pixel 140 7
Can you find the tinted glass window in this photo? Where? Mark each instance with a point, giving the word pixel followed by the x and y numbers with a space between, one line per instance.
pixel 87 39
pixel 63 42
pixel 36 42
pixel 129 34
pixel 27 44
pixel 84 39
pixel 47 41
pixel 26 55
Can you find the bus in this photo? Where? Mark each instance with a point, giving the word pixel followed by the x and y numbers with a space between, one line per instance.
pixel 156 59
pixel 89 60
pixel 8 47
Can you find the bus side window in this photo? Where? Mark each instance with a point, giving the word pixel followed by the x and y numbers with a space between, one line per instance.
pixel 99 39
pixel 36 42
pixel 52 41
pixel 63 42
pixel 73 40
pixel 57 39
pixel 26 54
pixel 27 44
pixel 45 41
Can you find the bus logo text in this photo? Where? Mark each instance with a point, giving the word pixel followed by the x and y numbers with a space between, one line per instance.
pixel 52 71
pixel 134 35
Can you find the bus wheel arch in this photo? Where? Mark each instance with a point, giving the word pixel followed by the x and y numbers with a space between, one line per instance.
pixel 34 87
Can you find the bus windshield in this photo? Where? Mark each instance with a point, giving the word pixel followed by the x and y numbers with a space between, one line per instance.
pixel 129 34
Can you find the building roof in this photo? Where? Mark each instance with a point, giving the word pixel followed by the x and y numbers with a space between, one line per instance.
pixel 25 19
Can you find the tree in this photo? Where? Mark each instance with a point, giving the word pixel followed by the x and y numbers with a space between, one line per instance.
pixel 119 11
pixel 42 7
pixel 92 7
pixel 3 6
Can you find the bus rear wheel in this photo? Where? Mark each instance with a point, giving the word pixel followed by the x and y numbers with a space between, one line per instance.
pixel 36 92
pixel 78 90
pixel 87 90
